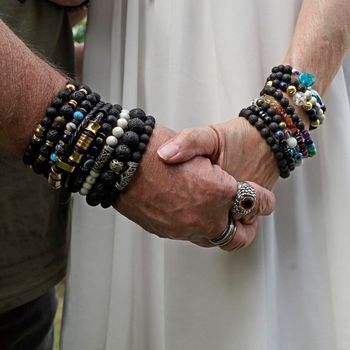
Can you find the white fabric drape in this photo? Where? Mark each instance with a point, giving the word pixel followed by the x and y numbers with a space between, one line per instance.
pixel 190 63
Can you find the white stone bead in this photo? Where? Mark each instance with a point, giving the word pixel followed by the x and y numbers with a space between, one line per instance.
pixel 71 126
pixel 292 142
pixel 112 141
pixel 313 100
pixel 83 191
pixel 318 105
pixel 320 112
pixel 94 174
pixel 308 94
pixel 299 99
pixel 87 186
pixel 124 114
pixel 125 111
pixel 122 123
pixel 321 117
pixel 90 180
pixel 118 132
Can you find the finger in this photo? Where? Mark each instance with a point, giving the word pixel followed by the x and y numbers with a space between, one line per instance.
pixel 264 204
pixel 188 144
pixel 243 238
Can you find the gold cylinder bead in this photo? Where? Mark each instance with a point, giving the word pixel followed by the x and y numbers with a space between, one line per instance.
pixel 93 127
pixel 269 83
pixel 76 157
pixel 291 90
pixel 84 142
pixel 36 138
pixel 64 166
pixel 40 157
pixel 83 91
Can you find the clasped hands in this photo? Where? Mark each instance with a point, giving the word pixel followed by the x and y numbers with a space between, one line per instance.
pixel 185 185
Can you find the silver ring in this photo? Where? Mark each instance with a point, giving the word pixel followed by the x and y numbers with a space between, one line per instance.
pixel 245 199
pixel 227 235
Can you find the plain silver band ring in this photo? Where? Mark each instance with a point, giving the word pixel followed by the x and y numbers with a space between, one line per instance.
pixel 227 235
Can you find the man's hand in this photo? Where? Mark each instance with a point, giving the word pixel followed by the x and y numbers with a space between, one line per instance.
pixel 190 201
pixel 236 146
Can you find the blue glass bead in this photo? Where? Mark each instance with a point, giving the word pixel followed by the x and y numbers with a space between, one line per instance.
pixel 53 157
pixel 298 159
pixel 315 94
pixel 283 86
pixel 58 148
pixel 65 137
pixel 307 79
pixel 77 115
pixel 94 150
pixel 312 112
pixel 296 72
pixel 89 164
pixel 279 134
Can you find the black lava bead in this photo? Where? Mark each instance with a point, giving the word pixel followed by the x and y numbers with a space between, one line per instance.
pixel 271 112
pixel 144 138
pixel 53 135
pixel 273 126
pixel 123 153
pixel 109 178
pixel 51 112
pixel 78 96
pixel 265 133
pixel 290 110
pixel 278 95
pixel 46 122
pixel 85 87
pixel 131 139
pixel 87 105
pixel 148 130
pixel 28 158
pixel 136 157
pixel 142 147
pixel 112 120
pixel 93 198
pixel 67 111
pixel 57 103
pixel 64 95
pixel 245 112
pixel 284 102
pixel 277 118
pixel 39 166
pixel 253 119
pixel 138 113
pixel 45 151
pixel 106 128
pixel 136 125
pixel 259 124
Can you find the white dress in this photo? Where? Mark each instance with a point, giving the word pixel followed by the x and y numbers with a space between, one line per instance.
pixel 191 62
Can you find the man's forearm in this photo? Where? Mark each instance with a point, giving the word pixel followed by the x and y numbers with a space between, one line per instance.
pixel 321 39
pixel 27 86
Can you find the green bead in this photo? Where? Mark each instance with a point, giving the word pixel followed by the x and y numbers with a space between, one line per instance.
pixel 312 150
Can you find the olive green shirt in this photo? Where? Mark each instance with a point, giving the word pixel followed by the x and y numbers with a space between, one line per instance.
pixel 34 220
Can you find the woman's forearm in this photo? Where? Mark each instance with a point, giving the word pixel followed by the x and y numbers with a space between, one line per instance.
pixel 321 39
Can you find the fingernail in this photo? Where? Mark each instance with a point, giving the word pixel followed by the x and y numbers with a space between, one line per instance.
pixel 169 150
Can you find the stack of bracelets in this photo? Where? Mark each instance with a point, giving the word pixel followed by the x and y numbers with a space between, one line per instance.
pixel 94 148
pixel 89 146
pixel 277 120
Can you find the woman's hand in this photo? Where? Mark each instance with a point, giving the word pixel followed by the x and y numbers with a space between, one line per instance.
pixel 236 146
pixel 189 201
